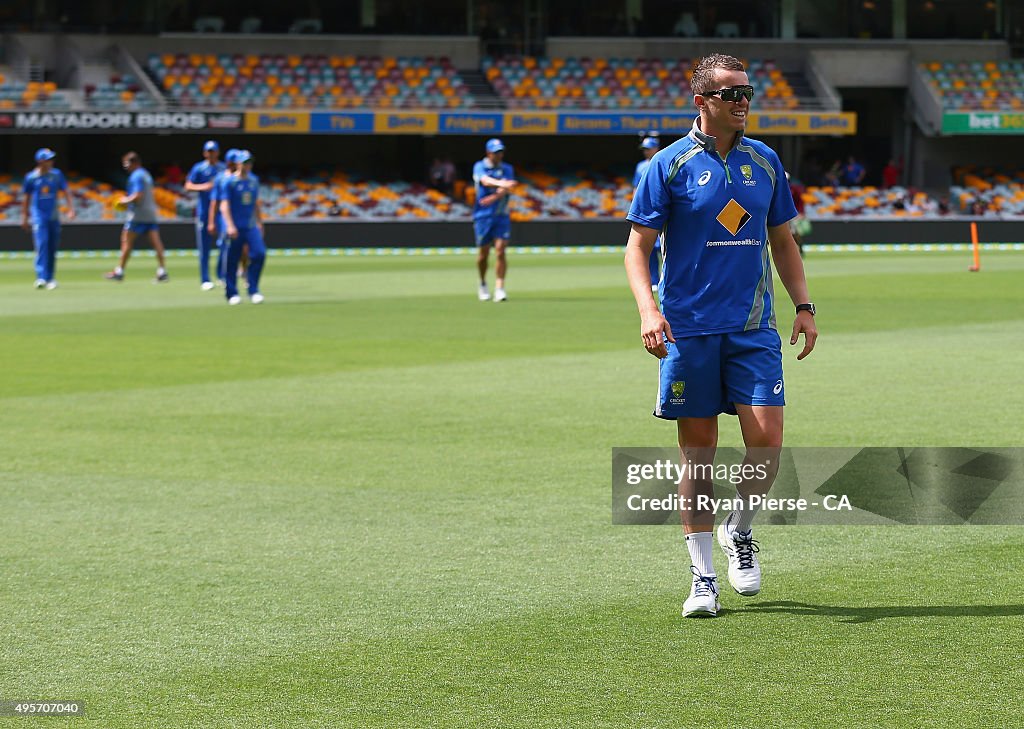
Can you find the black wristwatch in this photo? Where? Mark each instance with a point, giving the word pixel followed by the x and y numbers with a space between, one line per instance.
pixel 805 307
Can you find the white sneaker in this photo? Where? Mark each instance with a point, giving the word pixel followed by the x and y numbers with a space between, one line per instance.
pixel 703 599
pixel 256 298
pixel 500 295
pixel 207 286
pixel 235 301
pixel 741 549
pixel 40 282
pixel 483 294
pixel 51 285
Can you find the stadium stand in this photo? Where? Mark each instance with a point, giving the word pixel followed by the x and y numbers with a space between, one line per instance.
pixel 829 202
pixel 272 81
pixel 15 94
pixel 974 85
pixel 118 92
pixel 988 191
pixel 615 83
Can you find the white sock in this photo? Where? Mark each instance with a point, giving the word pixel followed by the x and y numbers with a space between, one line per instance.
pixel 160 270
pixel 744 517
pixel 118 270
pixel 700 546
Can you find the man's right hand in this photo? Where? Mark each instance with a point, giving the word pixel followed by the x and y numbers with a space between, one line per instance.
pixel 211 228
pixel 655 331
pixel 25 224
pixel 232 231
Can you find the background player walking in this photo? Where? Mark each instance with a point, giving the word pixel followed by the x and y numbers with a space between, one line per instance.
pixel 201 179
pixel 243 226
pixel 142 218
pixel 41 211
pixel 494 179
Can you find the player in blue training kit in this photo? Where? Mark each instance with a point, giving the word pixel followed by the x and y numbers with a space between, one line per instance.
pixel 215 221
pixel 40 207
pixel 243 225
pixel 201 179
pixel 142 218
pixel 494 180
pixel 649 146
pixel 719 201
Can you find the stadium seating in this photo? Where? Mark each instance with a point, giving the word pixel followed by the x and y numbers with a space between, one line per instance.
pixel 988 191
pixel 312 81
pixel 614 83
pixel 977 85
pixel 120 92
pixel 16 94
pixel 828 202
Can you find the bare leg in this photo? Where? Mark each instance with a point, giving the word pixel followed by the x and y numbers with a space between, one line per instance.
pixel 158 247
pixel 482 254
pixel 698 439
pixel 762 435
pixel 500 264
pixel 127 243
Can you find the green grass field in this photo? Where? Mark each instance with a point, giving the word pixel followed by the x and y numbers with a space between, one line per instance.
pixel 375 501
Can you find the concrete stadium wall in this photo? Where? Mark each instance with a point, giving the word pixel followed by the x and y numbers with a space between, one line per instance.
pixel 416 234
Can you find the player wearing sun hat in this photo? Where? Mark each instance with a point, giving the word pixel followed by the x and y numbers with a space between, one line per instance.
pixel 493 179
pixel 41 208
pixel 201 179
pixel 243 225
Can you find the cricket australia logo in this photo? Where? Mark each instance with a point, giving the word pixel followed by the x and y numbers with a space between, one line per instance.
pixel 733 217
pixel 748 175
pixel 677 392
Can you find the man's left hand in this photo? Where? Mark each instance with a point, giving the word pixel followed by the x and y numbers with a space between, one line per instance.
pixel 804 323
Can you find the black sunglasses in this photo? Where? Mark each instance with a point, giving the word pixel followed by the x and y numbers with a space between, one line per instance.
pixel 733 93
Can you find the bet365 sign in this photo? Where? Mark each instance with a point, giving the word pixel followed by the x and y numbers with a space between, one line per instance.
pixel 982 122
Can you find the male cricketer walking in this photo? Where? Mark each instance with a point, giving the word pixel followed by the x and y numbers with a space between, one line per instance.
pixel 719 201
pixel 243 226
pixel 142 218
pixel 201 179
pixel 494 180
pixel 40 205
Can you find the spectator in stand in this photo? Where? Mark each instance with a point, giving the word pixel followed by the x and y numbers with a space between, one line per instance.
pixel 891 174
pixel 436 173
pixel 174 174
pixel 853 172
pixel 447 176
pixel 831 177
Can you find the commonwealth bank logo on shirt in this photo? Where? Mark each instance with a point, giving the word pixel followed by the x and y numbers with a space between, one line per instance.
pixel 733 217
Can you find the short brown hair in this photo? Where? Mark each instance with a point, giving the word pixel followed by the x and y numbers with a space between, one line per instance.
pixel 703 79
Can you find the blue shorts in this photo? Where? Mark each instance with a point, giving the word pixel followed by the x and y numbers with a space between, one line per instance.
pixel 140 227
pixel 489 229
pixel 704 376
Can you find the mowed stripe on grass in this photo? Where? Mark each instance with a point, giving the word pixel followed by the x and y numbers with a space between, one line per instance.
pixel 392 510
